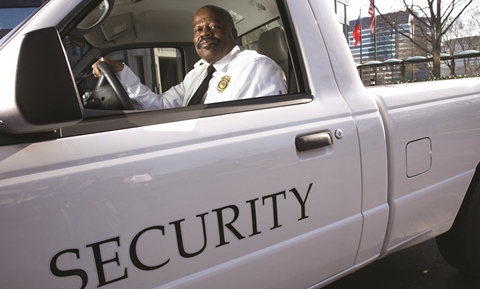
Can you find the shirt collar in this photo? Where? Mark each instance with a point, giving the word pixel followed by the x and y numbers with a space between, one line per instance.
pixel 222 63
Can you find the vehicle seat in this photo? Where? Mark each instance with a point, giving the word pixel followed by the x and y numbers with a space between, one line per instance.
pixel 273 44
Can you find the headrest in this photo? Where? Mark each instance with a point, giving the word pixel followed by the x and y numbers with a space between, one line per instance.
pixel 273 44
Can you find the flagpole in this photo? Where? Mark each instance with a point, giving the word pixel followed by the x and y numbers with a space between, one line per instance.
pixel 357 37
pixel 371 11
pixel 374 36
pixel 375 44
pixel 361 53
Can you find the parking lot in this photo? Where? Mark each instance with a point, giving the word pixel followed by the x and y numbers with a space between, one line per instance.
pixel 418 267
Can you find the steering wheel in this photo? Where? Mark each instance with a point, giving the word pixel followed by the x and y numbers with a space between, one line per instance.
pixel 121 95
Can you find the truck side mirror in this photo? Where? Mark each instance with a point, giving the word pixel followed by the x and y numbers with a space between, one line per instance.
pixel 38 90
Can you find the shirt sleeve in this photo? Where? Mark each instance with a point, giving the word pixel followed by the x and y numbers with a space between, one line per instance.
pixel 263 78
pixel 143 98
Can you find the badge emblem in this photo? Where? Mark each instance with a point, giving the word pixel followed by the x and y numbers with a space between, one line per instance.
pixel 222 85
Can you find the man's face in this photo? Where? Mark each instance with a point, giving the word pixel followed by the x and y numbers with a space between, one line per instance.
pixel 213 34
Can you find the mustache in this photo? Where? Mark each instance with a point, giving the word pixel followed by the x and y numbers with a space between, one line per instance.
pixel 211 40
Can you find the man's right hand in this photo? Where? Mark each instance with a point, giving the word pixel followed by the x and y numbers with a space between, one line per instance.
pixel 115 65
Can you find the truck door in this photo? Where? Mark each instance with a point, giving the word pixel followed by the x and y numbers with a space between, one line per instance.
pixel 257 193
pixel 162 203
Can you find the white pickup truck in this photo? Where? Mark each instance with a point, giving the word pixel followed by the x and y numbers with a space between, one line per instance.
pixel 286 191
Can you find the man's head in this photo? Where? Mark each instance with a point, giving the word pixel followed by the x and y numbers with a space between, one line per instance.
pixel 214 33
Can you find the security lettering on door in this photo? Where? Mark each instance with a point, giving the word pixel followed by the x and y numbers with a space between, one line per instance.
pixel 223 225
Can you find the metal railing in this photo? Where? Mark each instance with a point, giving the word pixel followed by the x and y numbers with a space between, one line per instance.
pixel 397 70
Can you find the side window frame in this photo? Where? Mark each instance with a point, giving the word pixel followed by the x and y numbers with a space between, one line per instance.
pixel 115 120
pixel 294 48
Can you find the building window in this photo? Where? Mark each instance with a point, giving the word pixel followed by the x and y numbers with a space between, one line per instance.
pixel 340 7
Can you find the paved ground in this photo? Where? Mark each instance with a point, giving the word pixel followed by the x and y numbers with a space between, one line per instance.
pixel 419 267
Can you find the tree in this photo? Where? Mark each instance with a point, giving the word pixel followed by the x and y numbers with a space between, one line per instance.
pixel 460 38
pixel 430 23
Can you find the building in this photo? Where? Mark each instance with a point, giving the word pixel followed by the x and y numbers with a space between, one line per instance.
pixel 390 46
pixel 340 7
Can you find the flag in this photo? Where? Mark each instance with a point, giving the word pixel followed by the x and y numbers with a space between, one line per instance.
pixel 357 31
pixel 371 11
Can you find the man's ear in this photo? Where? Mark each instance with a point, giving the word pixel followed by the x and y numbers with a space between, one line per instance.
pixel 234 33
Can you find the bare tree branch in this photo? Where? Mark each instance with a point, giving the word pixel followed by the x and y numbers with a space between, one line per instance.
pixel 456 17
pixel 431 24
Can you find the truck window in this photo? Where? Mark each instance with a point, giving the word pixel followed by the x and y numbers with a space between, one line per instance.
pixel 158 68
pixel 161 57
pixel 13 13
pixel 75 49
pixel 250 39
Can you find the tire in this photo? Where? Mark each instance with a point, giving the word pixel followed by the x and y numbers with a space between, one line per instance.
pixel 460 246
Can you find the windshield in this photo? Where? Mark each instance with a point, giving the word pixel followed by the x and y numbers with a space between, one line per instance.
pixel 76 48
pixel 12 14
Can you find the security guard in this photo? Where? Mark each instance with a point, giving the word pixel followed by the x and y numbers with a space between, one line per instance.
pixel 224 73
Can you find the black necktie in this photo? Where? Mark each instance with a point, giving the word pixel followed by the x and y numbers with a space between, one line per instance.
pixel 197 97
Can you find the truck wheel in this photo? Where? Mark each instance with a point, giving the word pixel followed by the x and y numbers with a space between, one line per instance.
pixel 460 246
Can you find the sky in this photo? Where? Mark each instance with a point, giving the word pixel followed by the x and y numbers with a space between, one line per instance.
pixel 384 6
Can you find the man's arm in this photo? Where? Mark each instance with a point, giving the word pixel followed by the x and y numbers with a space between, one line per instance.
pixel 141 95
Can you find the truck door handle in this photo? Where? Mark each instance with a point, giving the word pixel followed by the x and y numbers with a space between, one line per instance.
pixel 313 141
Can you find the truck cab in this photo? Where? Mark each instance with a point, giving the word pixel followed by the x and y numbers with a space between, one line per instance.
pixel 284 191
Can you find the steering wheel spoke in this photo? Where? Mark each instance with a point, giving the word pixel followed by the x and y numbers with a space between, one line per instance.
pixel 104 99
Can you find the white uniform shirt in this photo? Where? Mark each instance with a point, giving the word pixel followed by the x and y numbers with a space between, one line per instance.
pixel 238 75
